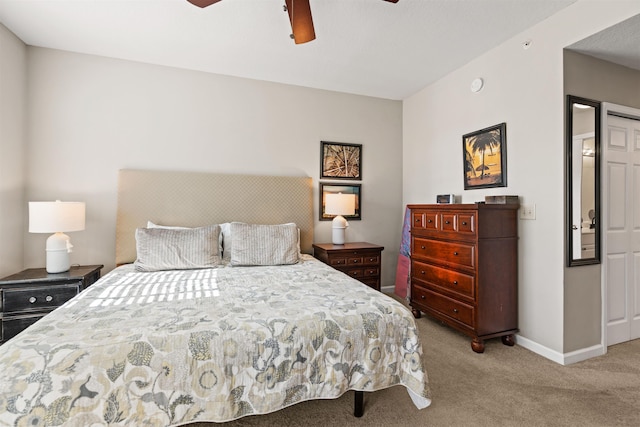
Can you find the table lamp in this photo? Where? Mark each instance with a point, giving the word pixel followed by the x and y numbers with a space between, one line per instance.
pixel 57 217
pixel 339 204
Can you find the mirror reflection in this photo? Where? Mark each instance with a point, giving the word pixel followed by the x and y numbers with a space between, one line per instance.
pixel 583 172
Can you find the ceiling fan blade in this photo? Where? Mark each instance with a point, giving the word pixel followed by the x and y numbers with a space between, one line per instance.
pixel 392 1
pixel 301 20
pixel 203 3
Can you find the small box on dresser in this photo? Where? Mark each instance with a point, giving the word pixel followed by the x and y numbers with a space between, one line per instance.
pixel 29 295
pixel 360 260
pixel 464 268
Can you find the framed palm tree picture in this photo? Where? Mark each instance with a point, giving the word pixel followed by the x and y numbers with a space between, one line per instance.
pixel 485 157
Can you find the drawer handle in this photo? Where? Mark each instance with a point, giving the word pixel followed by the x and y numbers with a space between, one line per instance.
pixel 447 222
pixel 464 222
pixel 422 296
pixel 421 271
pixel 429 221
pixel 355 261
pixel 371 259
pixel 421 246
pixel 49 298
pixel 455 253
pixel 455 282
pixel 455 310
pixel 417 219
pixel 32 300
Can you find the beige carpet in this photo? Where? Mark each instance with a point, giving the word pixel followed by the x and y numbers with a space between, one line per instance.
pixel 504 386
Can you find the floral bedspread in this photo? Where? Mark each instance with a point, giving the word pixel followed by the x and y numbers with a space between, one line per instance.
pixel 167 348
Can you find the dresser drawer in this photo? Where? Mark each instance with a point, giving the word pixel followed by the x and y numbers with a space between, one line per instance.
pixel 453 281
pixel 455 254
pixel 462 224
pixel 34 298
pixel 444 305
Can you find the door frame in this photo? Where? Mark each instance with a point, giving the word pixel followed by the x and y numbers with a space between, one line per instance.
pixel 608 109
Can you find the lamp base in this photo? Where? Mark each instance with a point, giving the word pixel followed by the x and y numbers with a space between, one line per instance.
pixel 339 225
pixel 58 248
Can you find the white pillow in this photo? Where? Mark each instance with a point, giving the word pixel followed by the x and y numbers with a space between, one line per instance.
pixel 175 227
pixel 258 244
pixel 225 236
pixel 177 248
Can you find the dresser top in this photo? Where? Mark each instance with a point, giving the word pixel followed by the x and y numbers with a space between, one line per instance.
pixel 467 206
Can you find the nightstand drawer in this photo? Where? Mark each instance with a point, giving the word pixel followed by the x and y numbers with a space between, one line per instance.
pixel 371 260
pixel 371 272
pixel 360 260
pixel 356 273
pixel 32 293
pixel 38 298
pixel 13 326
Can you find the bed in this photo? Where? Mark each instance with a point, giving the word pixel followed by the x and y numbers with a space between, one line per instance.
pixel 263 328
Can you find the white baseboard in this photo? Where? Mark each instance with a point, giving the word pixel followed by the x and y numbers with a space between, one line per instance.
pixel 561 358
pixel 584 354
pixel 387 289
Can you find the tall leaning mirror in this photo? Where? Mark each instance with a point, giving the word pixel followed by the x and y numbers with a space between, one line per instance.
pixel 583 181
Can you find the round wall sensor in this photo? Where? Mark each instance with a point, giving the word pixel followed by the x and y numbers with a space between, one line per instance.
pixel 476 85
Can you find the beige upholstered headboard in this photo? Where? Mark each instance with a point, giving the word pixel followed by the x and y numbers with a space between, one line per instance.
pixel 194 199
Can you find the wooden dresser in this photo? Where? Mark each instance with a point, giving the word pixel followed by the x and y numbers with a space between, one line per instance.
pixel 360 260
pixel 464 268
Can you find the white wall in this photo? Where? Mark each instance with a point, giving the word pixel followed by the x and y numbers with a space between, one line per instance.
pixel 12 121
pixel 91 116
pixel 523 88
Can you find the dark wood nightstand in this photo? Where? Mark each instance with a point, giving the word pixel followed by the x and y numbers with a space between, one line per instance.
pixel 27 296
pixel 360 260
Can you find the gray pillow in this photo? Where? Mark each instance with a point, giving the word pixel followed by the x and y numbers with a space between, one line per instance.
pixel 177 249
pixel 151 224
pixel 257 244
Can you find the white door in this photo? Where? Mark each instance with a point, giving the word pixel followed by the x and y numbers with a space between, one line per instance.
pixel 621 227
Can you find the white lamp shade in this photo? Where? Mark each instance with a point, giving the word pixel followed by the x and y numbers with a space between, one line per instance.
pixel 340 204
pixel 53 217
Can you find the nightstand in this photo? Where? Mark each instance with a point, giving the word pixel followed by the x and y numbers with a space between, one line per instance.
pixel 360 260
pixel 27 296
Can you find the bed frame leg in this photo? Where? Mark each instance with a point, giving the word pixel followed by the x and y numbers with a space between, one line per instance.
pixel 358 406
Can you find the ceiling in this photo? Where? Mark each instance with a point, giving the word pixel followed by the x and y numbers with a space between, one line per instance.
pixel 366 47
pixel 619 44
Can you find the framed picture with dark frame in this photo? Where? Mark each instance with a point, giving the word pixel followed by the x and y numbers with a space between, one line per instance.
pixel 340 188
pixel 340 161
pixel 484 156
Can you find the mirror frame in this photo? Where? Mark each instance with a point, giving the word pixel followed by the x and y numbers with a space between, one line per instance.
pixel 570 101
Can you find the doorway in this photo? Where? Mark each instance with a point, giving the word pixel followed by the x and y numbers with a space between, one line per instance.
pixel 621 223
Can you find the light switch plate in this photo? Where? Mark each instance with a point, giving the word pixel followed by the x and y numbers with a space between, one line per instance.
pixel 528 211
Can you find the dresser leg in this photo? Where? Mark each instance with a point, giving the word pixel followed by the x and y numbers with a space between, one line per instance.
pixel 509 340
pixel 477 345
pixel 416 313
